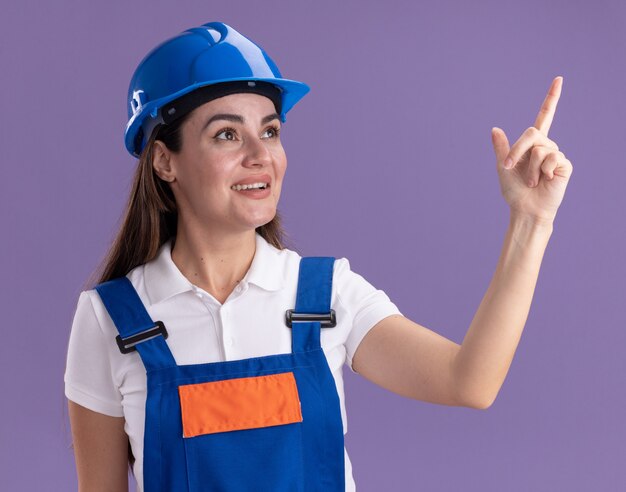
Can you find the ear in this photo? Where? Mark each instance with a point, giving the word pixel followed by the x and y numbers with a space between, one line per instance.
pixel 161 161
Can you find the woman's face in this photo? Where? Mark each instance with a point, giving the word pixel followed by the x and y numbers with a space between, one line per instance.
pixel 227 141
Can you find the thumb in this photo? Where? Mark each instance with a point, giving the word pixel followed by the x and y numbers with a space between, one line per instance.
pixel 500 144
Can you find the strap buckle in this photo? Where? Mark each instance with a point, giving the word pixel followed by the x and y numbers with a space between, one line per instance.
pixel 127 345
pixel 328 320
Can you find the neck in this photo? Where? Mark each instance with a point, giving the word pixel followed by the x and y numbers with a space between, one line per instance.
pixel 215 262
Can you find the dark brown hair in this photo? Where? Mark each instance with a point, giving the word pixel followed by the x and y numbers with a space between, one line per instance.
pixel 151 217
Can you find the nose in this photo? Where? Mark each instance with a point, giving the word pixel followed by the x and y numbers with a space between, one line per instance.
pixel 257 153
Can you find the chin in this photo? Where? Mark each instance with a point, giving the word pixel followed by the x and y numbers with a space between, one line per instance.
pixel 264 222
pixel 260 221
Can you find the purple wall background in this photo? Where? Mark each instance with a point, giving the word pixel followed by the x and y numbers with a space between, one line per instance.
pixel 391 165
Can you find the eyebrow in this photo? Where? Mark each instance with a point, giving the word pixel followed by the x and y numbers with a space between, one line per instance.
pixel 235 118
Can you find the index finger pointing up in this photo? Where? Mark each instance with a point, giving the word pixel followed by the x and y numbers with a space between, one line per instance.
pixel 546 113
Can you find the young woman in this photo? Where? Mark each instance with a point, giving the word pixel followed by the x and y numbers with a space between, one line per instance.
pixel 208 354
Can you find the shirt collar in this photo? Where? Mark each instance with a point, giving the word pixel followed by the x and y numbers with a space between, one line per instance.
pixel 163 279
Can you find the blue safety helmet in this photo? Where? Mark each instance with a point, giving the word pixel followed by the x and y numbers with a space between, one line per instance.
pixel 199 57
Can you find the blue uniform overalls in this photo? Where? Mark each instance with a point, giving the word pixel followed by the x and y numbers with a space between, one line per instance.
pixel 269 423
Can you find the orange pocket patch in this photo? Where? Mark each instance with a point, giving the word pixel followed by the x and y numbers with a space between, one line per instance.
pixel 240 403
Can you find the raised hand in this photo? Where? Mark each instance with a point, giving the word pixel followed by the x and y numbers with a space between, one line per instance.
pixel 533 173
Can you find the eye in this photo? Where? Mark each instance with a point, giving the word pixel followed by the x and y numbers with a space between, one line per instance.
pixel 273 131
pixel 226 134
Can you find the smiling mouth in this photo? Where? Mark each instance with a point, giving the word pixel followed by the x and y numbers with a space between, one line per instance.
pixel 252 186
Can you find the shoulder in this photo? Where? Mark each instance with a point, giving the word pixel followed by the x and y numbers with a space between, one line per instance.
pixel 365 302
pixel 91 314
pixel 292 258
pixel 348 284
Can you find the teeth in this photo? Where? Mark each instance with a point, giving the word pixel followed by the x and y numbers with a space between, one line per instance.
pixel 249 186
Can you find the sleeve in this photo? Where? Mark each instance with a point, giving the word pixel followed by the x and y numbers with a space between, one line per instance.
pixel 365 304
pixel 88 375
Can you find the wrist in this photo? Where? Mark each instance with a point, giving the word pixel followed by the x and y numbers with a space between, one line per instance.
pixel 526 228
pixel 531 222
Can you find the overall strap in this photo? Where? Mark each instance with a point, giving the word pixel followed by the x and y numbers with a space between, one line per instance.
pixel 315 281
pixel 131 318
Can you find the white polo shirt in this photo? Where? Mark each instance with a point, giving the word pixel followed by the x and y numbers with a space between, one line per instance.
pixel 250 323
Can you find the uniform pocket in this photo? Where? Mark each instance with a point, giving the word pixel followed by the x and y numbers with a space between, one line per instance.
pixel 240 403
pixel 243 434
